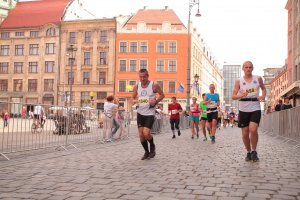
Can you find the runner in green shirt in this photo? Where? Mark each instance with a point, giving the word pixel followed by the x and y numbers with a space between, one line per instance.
pixel 203 122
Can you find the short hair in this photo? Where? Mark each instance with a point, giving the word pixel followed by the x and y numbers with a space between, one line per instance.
pixel 247 62
pixel 110 98
pixel 174 98
pixel 144 71
pixel 203 94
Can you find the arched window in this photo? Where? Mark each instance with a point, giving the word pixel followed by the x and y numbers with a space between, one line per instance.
pixel 50 32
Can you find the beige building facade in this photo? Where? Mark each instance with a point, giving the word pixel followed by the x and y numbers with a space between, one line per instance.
pixel 28 64
pixel 93 72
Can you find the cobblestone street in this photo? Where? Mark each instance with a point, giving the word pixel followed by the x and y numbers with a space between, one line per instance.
pixel 182 169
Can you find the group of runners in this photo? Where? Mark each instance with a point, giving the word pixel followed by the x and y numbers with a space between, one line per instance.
pixel 146 94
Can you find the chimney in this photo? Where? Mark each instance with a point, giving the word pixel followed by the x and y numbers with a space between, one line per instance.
pixel 166 7
pixel 145 7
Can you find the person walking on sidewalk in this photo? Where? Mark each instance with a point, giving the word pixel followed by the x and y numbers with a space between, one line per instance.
pixel 194 117
pixel 212 100
pixel 246 90
pixel 146 99
pixel 110 108
pixel 203 123
pixel 174 108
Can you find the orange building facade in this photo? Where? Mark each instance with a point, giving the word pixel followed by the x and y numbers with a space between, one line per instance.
pixel 159 45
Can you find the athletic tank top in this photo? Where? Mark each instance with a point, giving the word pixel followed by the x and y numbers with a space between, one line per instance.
pixel 253 92
pixel 144 95
pixel 212 106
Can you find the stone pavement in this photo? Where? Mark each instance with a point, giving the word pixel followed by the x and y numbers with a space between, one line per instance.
pixel 182 169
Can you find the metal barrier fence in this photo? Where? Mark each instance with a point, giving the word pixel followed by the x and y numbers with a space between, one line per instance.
pixel 284 123
pixel 56 127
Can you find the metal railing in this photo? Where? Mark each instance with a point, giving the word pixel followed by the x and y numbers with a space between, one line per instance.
pixel 285 123
pixel 58 127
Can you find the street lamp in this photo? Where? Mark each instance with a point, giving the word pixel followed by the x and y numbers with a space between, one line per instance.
pixel 192 3
pixel 72 53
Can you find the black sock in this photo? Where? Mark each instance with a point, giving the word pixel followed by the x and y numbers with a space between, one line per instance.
pixel 145 145
pixel 151 142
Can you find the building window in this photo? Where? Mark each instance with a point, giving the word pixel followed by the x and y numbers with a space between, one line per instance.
pixel 34 34
pixel 5 35
pixel 48 85
pixel 3 85
pixel 19 34
pixel 88 36
pixel 133 66
pixel 72 37
pixel 133 47
pixel 18 85
pixel 172 87
pixel 87 58
pixel 161 84
pixel 70 78
pixel 123 47
pixel 172 47
pixel 50 48
pixel 101 95
pixel 143 64
pixel 103 36
pixel 4 50
pixel 33 49
pixel 49 66
pixel 50 32
pixel 86 78
pixel 122 66
pixel 131 83
pixel 4 68
pixel 85 98
pixel 19 50
pixel 144 47
pixel 172 66
pixel 160 47
pixel 32 85
pixel 160 66
pixel 102 78
pixel 18 67
pixel 103 58
pixel 122 86
pixel 33 67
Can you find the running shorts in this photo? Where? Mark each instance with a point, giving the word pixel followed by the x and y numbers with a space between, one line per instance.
pixel 246 117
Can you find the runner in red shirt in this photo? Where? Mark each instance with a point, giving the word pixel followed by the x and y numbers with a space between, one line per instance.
pixel 174 108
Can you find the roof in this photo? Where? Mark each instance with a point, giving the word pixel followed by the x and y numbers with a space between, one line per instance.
pixel 155 16
pixel 35 13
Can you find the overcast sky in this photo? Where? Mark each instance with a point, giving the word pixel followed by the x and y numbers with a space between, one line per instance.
pixel 234 30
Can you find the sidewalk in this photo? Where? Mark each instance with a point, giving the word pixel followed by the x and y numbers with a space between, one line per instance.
pixel 182 169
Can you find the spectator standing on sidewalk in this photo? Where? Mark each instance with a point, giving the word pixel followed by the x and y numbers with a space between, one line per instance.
pixel 5 118
pixel 286 104
pixel 174 108
pixel 246 90
pixel 212 100
pixel 144 94
pixel 120 121
pixel 278 106
pixel 110 109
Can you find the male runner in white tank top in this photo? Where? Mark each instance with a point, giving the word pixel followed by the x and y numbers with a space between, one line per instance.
pixel 146 99
pixel 246 90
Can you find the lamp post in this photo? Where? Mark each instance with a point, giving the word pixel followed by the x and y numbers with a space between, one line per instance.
pixel 192 3
pixel 71 51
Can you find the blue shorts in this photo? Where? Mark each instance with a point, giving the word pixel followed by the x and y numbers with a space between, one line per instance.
pixel 194 118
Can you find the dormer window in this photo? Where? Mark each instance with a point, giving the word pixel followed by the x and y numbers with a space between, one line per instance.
pixel 50 32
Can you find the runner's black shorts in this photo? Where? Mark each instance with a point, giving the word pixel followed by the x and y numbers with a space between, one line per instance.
pixel 246 117
pixel 211 116
pixel 145 121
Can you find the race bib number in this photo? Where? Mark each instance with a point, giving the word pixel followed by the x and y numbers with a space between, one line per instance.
pixel 174 112
pixel 204 112
pixel 143 100
pixel 251 90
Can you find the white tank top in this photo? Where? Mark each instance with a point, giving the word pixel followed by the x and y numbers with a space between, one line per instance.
pixel 144 95
pixel 253 92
